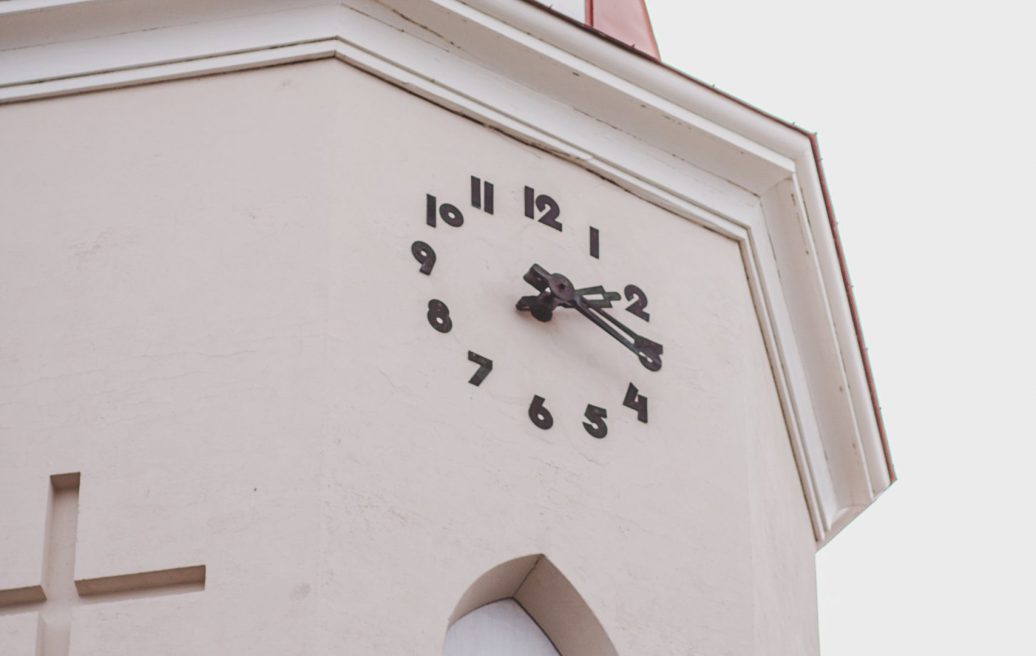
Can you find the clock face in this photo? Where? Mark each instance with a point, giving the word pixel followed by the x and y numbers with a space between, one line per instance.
pixel 551 292
pixel 440 228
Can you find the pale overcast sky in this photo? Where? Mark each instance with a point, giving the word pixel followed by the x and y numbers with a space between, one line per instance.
pixel 926 114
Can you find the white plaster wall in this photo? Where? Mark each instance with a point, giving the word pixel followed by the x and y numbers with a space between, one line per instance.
pixel 212 312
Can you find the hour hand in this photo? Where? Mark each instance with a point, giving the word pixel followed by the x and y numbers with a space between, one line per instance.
pixel 538 277
pixel 555 290
pixel 540 306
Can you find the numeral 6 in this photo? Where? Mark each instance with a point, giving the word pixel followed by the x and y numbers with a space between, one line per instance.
pixel 539 414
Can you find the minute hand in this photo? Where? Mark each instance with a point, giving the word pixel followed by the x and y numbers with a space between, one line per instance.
pixel 649 353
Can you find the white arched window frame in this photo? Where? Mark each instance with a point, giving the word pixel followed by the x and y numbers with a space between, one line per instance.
pixel 543 609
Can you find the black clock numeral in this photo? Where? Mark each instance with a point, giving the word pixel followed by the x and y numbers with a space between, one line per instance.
pixel 595 243
pixel 439 316
pixel 424 254
pixel 482 195
pixel 637 307
pixel 539 414
pixel 595 421
pixel 637 401
pixel 544 203
pixel 485 365
pixel 448 213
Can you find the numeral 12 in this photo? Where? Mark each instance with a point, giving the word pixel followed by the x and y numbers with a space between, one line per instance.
pixel 544 203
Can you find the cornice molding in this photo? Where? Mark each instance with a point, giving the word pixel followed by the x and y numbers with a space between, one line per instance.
pixel 518 69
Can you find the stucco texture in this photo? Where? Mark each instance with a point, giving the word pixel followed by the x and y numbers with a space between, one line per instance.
pixel 211 311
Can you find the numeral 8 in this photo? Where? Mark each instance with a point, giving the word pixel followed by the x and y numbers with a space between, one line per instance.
pixel 439 316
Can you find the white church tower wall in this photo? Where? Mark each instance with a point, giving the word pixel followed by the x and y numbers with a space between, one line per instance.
pixel 265 387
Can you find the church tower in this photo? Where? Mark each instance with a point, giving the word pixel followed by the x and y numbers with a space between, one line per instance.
pixel 410 327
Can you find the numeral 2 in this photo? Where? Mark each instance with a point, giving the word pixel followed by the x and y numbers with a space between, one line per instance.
pixel 485 365
pixel 637 307
pixel 595 421
pixel 543 203
pixel 448 213
pixel 637 401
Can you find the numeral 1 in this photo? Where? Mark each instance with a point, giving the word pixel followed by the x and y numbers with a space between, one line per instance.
pixel 448 213
pixel 637 401
pixel 482 195
pixel 544 203
pixel 595 242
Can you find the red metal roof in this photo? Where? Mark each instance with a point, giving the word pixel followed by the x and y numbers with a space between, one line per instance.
pixel 624 20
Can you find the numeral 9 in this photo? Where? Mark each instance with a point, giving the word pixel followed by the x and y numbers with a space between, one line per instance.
pixel 424 254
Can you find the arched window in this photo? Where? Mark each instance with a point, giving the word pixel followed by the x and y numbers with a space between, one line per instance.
pixel 525 607
pixel 501 628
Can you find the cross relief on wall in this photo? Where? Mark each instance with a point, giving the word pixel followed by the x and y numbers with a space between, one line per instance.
pixel 59 592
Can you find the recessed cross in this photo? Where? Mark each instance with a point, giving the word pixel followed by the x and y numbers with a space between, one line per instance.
pixel 60 592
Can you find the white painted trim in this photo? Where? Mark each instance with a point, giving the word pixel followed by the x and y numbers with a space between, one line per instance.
pixel 574 9
pixel 22 6
pixel 547 82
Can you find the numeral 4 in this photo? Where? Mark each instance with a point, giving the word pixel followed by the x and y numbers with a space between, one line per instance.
pixel 637 401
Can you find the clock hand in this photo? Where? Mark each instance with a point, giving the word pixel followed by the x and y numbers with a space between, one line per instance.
pixel 558 291
pixel 606 297
pixel 555 290
pixel 649 352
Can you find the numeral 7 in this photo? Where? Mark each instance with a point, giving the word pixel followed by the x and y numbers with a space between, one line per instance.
pixel 485 365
